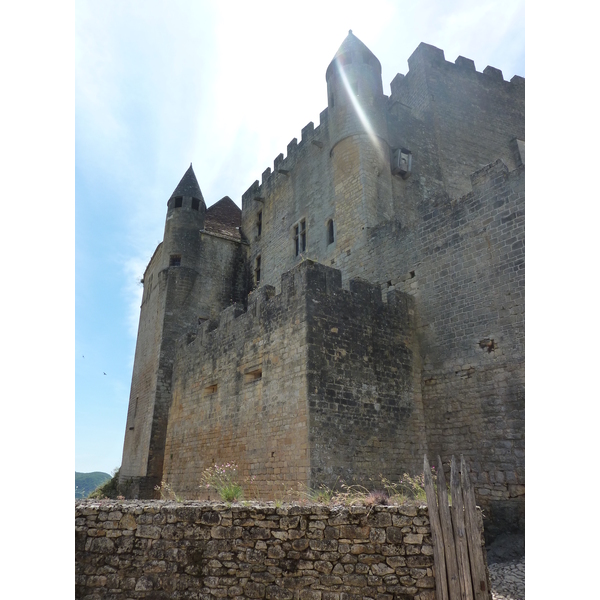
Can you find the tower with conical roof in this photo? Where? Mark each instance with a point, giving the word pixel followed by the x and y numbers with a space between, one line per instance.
pixel 356 104
pixel 185 218
pixel 191 277
pixel 358 140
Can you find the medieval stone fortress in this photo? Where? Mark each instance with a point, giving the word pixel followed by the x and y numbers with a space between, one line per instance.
pixel 365 306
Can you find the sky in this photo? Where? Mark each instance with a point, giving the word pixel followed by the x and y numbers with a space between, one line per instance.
pixel 224 86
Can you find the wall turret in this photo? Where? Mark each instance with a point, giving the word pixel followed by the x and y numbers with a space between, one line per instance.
pixel 192 276
pixel 356 103
pixel 358 145
pixel 185 219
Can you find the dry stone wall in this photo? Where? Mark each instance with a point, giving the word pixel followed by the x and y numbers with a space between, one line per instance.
pixel 161 550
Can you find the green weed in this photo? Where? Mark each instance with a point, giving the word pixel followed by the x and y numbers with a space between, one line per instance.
pixel 224 479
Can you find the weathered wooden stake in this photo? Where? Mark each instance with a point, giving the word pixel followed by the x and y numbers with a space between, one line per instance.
pixel 458 518
pixel 478 571
pixel 446 523
pixel 439 567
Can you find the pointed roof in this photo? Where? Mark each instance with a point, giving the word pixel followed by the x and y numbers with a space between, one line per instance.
pixel 188 186
pixel 224 218
pixel 353 47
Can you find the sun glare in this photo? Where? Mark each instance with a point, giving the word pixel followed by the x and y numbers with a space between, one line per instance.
pixel 361 113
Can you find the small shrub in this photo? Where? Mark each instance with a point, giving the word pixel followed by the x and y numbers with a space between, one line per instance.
pixel 224 479
pixel 167 492
pixel 377 498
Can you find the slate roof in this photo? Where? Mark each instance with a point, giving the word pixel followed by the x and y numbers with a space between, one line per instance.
pixel 188 186
pixel 224 218
pixel 357 50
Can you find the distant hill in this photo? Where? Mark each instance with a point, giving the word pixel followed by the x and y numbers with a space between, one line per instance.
pixel 88 482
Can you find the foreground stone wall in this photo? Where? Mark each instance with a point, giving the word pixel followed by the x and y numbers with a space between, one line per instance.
pixel 159 550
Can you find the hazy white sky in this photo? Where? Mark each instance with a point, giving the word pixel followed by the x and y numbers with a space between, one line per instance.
pixel 226 86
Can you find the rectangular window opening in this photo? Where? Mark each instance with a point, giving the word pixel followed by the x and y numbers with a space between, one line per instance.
pixel 303 236
pixel 175 260
pixel 257 270
pixel 297 239
pixel 252 376
pixel 178 201
pixel 195 204
pixel 259 224
pixel 210 389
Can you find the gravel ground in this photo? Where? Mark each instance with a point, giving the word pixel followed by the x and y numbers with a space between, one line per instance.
pixel 508 580
pixel 506 562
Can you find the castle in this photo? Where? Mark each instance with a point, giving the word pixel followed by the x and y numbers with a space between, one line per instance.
pixel 365 306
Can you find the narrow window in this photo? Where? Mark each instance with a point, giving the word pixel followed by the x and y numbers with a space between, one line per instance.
pixel 195 204
pixel 257 270
pixel 210 390
pixel 175 260
pixel 302 235
pixel 178 201
pixel 259 224
pixel 252 376
pixel 330 236
pixel 297 239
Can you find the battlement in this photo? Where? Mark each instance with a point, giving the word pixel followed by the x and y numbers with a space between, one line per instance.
pixel 283 165
pixel 300 285
pixel 427 56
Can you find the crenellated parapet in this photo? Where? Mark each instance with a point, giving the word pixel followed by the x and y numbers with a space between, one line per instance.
pixel 299 286
pixel 283 165
pixel 427 56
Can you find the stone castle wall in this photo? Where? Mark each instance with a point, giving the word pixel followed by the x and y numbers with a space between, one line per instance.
pixel 459 119
pixel 158 550
pixel 366 418
pixel 464 266
pixel 239 395
pixel 322 377
pixel 298 188
pixel 145 372
pixel 175 299
pixel 304 388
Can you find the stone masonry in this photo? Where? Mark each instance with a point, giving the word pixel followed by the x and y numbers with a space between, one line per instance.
pixel 364 307
pixel 348 388
pixel 158 550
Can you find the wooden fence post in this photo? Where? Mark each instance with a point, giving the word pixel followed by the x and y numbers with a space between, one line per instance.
pixel 441 586
pixel 446 523
pixel 478 570
pixel 462 553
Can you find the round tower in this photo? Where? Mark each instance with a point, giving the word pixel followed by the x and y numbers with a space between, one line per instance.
pixel 356 104
pixel 185 218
